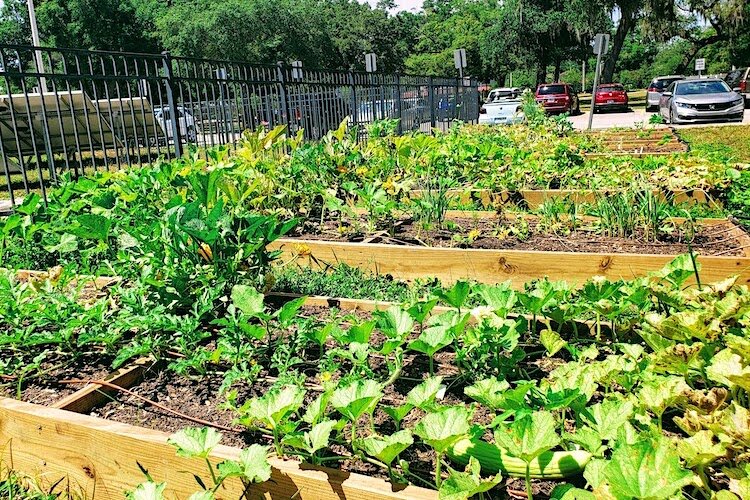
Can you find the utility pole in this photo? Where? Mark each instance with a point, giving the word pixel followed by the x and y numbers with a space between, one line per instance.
pixel 601 44
pixel 37 43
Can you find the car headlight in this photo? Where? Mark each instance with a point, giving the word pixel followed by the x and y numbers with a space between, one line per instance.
pixel 738 102
pixel 684 105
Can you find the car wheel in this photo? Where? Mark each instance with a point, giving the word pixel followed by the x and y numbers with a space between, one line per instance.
pixel 671 116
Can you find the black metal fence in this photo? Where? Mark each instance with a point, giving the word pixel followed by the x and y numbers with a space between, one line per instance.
pixel 81 111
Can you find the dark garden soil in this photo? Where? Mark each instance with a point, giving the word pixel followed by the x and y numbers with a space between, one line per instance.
pixel 200 398
pixel 46 389
pixel 502 234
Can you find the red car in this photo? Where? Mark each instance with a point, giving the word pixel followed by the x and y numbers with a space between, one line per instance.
pixel 558 98
pixel 610 96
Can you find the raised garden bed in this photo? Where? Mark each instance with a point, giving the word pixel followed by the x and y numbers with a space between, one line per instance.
pixel 532 199
pixel 102 459
pixel 410 262
pixel 487 230
pixel 55 444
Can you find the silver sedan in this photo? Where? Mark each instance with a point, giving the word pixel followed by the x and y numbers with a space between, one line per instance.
pixel 693 100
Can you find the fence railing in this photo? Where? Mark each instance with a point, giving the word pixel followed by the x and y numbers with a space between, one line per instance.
pixel 78 111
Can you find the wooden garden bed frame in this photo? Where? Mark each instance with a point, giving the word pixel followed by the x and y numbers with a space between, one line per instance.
pixel 496 266
pixel 533 198
pixel 100 459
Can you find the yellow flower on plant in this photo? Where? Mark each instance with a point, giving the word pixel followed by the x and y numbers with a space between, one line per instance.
pixel 361 171
pixel 302 249
pixel 325 376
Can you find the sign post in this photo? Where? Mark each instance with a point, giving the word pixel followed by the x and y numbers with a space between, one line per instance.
pixel 700 65
pixel 601 44
pixel 459 59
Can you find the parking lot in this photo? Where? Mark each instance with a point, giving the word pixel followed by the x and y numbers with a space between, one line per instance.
pixel 636 116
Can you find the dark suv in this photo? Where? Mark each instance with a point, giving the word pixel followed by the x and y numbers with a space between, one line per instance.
pixel 739 81
pixel 558 98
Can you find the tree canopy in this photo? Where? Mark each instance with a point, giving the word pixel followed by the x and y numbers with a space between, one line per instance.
pixel 535 40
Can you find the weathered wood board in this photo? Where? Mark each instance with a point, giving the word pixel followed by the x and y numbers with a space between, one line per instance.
pixel 100 460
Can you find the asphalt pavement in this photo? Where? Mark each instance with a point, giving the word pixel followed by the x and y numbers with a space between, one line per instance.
pixel 635 117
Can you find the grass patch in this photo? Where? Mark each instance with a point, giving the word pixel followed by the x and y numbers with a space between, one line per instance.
pixel 731 143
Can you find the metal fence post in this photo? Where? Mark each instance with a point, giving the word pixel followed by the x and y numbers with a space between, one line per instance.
pixel 355 118
pixel 172 104
pixel 282 93
pixel 400 129
pixel 431 101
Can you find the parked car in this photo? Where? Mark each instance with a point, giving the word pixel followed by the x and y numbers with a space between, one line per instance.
pixel 656 87
pixel 376 109
pixel 502 92
pixel 414 112
pixel 185 121
pixel 504 108
pixel 558 98
pixel 739 81
pixel 610 96
pixel 698 99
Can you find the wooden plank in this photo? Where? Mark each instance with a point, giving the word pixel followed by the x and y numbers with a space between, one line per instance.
pixel 102 457
pixel 85 399
pixel 533 198
pixel 634 154
pixel 496 266
pixel 98 282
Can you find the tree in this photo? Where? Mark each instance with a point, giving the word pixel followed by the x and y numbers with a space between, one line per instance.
pixel 14 23
pixel 449 25
pixel 99 24
pixel 537 33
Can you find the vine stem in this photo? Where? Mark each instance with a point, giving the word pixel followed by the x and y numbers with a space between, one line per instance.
pixel 528 481
pixel 153 403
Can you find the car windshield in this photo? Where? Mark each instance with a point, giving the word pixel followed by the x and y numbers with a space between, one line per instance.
pixel 551 89
pixel 661 84
pixel 500 94
pixel 611 88
pixel 701 87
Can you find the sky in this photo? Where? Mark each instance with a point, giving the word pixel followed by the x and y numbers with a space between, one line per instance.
pixel 413 5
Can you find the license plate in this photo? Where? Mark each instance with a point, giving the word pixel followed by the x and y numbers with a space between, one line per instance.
pixel 610 101
pixel 550 99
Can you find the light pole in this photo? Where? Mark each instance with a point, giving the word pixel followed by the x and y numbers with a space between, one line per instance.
pixel 37 43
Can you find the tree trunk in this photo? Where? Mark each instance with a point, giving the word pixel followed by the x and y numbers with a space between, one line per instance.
pixel 627 22
pixel 541 69
pixel 558 63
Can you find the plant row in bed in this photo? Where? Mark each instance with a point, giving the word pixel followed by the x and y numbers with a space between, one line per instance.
pixel 272 172
pixel 188 212
pixel 651 410
pixel 189 241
